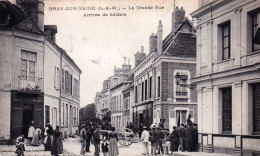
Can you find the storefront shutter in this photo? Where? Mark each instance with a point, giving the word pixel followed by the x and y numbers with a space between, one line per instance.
pixel 16 119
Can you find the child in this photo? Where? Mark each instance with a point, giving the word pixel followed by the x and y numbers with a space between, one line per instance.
pixel 104 147
pixel 20 146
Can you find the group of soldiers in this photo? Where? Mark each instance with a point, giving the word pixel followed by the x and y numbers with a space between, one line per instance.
pixel 184 138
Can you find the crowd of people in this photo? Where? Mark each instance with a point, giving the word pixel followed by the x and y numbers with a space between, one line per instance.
pixel 107 141
pixel 183 138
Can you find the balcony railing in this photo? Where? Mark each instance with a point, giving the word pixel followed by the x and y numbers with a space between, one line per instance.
pixel 30 84
pixel 181 93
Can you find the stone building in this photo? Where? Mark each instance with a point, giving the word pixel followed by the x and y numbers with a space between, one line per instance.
pixel 227 77
pixel 34 72
pixel 117 84
pixel 157 93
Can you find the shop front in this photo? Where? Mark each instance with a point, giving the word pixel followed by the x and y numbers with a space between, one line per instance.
pixel 26 109
pixel 143 114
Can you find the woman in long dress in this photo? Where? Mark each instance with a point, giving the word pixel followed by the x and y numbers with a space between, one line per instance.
pixel 57 146
pixel 50 133
pixel 36 136
pixel 113 143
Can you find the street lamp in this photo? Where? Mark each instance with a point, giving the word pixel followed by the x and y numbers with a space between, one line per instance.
pixel 178 79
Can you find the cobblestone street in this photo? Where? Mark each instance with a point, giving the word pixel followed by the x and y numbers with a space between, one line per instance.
pixel 72 147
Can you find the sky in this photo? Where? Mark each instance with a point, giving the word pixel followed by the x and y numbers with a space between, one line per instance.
pixel 99 43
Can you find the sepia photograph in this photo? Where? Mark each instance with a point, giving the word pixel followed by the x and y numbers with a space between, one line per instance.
pixel 130 77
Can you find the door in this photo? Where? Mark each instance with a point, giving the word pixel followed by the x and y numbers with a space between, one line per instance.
pixel 27 120
pixel 16 119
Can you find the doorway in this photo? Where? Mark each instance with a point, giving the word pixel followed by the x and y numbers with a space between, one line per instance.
pixel 28 117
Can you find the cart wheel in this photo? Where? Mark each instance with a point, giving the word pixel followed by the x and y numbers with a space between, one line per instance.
pixel 124 139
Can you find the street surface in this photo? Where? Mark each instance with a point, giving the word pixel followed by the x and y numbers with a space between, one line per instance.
pixel 72 146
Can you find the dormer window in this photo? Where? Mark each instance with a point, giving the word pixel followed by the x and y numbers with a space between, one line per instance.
pixel 4 17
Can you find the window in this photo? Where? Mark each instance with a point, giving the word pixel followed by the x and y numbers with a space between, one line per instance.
pixel 142 91
pixel 57 78
pixel 47 114
pixel 158 86
pixel 227 109
pixel 28 65
pixel 225 28
pixel 4 17
pixel 256 31
pixel 62 80
pixel 67 115
pixel 181 87
pixel 135 94
pixel 256 108
pixel 150 88
pixel 145 90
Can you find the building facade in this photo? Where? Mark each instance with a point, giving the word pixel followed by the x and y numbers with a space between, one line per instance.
pixel 227 77
pixel 157 93
pixel 31 64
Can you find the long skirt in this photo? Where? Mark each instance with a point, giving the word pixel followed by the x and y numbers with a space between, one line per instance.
pixel 48 143
pixel 57 146
pixel 35 139
pixel 174 146
pixel 113 147
pixel 83 147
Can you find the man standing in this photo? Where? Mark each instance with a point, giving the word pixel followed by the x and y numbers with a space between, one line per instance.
pixel 160 136
pixel 96 141
pixel 145 139
pixel 189 138
pixel 88 138
pixel 182 132
pixel 174 138
pixel 195 133
pixel 83 139
pixel 153 139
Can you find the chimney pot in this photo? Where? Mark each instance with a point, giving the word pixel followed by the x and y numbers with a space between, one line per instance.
pixel 142 49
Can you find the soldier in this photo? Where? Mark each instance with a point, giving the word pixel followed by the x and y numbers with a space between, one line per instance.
pixel 182 132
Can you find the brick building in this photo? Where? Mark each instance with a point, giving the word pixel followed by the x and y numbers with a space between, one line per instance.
pixel 39 81
pixel 157 94
pixel 227 77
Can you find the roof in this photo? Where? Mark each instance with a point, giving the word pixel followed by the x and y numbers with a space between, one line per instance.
pixel 19 20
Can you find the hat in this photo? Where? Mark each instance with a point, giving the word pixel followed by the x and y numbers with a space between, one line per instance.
pixel 182 124
pixel 144 127
pixel 153 126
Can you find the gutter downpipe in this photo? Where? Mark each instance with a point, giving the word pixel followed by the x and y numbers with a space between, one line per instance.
pixel 61 54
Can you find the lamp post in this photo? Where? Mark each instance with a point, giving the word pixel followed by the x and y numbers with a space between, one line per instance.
pixel 178 77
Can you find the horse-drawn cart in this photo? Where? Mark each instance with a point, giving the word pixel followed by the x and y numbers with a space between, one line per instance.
pixel 126 136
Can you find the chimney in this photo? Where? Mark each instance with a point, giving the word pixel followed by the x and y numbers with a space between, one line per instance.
pixel 142 49
pixel 152 42
pixel 129 61
pixel 124 60
pixel 139 57
pixel 177 17
pixel 159 37
pixel 51 31
pixel 34 9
